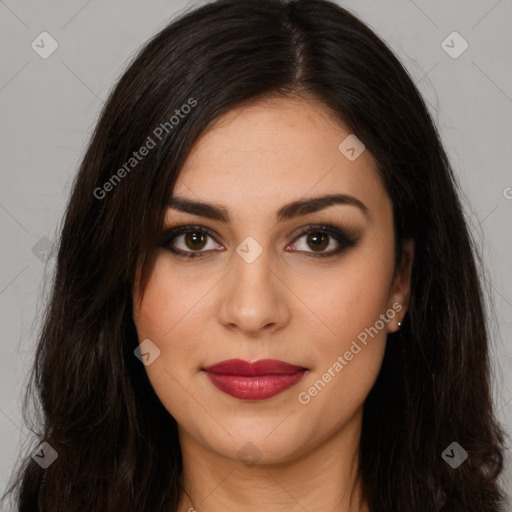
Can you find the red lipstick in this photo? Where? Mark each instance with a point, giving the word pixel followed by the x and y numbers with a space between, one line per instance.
pixel 254 381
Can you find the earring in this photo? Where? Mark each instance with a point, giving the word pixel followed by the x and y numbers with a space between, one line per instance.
pixel 399 325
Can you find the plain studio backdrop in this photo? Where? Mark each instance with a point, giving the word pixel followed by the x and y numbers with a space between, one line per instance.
pixel 51 94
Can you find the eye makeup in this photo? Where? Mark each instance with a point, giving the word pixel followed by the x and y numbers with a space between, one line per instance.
pixel 316 233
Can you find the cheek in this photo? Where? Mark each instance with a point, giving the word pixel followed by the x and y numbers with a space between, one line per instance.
pixel 168 304
pixel 164 317
pixel 347 299
pixel 350 339
pixel 167 315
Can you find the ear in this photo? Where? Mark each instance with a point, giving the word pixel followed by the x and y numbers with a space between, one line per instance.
pixel 400 289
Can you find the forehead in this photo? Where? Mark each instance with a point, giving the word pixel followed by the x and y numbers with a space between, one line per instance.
pixel 275 150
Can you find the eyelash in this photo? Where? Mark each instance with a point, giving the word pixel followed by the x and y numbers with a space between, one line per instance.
pixel 343 240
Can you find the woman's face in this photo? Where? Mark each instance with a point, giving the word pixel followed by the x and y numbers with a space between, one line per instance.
pixel 266 284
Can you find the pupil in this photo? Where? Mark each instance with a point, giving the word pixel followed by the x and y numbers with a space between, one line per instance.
pixel 319 240
pixel 193 239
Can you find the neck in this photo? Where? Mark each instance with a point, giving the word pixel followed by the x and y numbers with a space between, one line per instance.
pixel 322 478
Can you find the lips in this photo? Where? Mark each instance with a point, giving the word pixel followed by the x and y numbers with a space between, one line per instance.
pixel 254 381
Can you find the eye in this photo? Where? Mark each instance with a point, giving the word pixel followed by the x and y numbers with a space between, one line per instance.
pixel 192 241
pixel 320 237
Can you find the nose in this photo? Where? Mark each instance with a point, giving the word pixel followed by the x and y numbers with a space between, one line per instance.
pixel 254 298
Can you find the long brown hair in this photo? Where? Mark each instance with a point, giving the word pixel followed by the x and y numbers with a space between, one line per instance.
pixel 117 445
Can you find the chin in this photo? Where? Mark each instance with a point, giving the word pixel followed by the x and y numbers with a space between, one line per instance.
pixel 257 444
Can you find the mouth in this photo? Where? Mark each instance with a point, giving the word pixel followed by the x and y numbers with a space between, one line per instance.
pixel 254 381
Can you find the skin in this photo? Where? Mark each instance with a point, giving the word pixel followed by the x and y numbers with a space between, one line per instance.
pixel 284 305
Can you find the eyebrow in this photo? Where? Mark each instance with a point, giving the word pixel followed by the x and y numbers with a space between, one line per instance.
pixel 286 212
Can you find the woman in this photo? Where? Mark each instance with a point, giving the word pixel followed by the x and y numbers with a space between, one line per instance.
pixel 266 294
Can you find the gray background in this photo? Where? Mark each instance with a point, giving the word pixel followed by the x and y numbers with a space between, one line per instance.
pixel 49 107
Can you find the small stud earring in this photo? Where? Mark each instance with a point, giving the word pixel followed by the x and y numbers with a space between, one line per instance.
pixel 399 325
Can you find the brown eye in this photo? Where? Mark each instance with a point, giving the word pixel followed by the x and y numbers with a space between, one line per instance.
pixel 190 241
pixel 195 240
pixel 318 240
pixel 198 241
